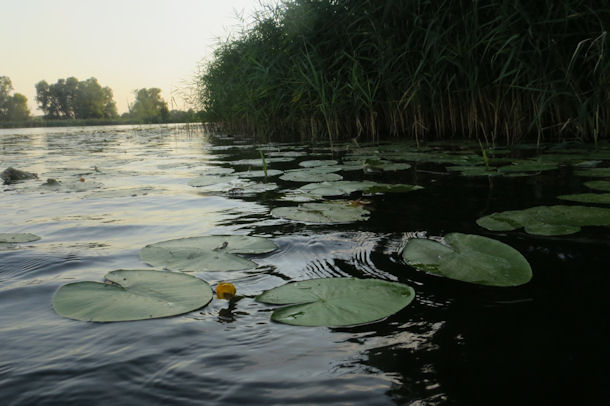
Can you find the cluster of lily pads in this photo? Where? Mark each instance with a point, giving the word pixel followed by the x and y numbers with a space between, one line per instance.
pixel 143 294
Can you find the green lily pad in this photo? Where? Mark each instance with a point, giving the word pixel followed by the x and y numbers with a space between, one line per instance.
pixel 259 173
pixel 336 211
pixel 16 238
pixel 336 302
pixel 595 172
pixel 316 174
pixel 132 295
pixel 474 170
pixel 207 253
pixel 352 166
pixel 347 187
pixel 547 220
pixel 217 170
pixel 469 258
pixel 527 166
pixel 259 162
pixel 602 185
pixel 383 165
pixel 317 162
pixel 207 180
pixel 392 188
pixel 600 198
pixel 587 164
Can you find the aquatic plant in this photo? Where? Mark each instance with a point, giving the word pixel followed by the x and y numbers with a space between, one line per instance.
pixel 206 253
pixel 547 220
pixel 12 238
pixel 132 295
pixel 493 71
pixel 335 302
pixel 599 198
pixel 331 212
pixel 469 258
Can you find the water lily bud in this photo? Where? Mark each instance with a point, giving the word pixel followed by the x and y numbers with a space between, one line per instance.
pixel 225 291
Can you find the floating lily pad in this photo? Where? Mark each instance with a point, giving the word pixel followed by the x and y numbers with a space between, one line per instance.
pixel 382 165
pixel 347 187
pixel 317 174
pixel 16 238
pixel 602 185
pixel 259 173
pixel 600 198
pixel 595 172
pixel 337 211
pixel 259 162
pixel 337 188
pixel 587 164
pixel 249 188
pixel 217 170
pixel 207 253
pixel 335 302
pixel 469 258
pixel 207 180
pixel 352 166
pixel 132 295
pixel 317 162
pixel 547 220
pixel 526 166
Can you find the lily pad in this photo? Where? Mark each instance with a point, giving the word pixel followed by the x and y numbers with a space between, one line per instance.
pixel 383 165
pixel 469 258
pixel 207 180
pixel 259 162
pixel 600 198
pixel 259 173
pixel 337 211
pixel 317 162
pixel 316 174
pixel 132 295
pixel 528 166
pixel 336 302
pixel 602 185
pixel 595 172
pixel 207 253
pixel 547 220
pixel 347 187
pixel 16 238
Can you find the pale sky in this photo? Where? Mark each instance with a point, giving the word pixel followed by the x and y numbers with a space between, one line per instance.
pixel 125 44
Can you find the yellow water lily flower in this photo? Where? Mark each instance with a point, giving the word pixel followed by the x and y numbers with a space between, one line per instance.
pixel 225 291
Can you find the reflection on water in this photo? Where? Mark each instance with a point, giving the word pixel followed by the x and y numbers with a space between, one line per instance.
pixel 125 187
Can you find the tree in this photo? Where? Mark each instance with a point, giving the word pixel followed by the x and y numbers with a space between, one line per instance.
pixel 12 108
pixel 149 107
pixel 94 101
pixel 18 108
pixel 71 98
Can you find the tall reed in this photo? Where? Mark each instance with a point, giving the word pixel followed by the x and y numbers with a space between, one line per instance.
pixel 499 71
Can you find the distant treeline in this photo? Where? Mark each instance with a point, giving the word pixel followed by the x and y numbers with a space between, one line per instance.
pixel 498 71
pixel 174 116
pixel 72 102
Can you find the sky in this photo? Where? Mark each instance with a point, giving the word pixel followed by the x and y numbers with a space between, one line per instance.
pixel 125 44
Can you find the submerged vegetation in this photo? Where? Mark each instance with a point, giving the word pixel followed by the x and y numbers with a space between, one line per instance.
pixel 496 71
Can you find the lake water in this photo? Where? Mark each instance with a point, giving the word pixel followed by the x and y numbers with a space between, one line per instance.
pixel 543 343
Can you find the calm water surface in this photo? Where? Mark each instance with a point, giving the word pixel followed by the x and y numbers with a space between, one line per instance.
pixel 543 343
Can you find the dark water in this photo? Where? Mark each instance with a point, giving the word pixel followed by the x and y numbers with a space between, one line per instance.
pixel 544 343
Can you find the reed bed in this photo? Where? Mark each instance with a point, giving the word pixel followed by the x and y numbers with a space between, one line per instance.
pixel 498 71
